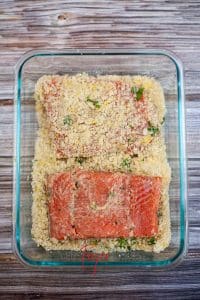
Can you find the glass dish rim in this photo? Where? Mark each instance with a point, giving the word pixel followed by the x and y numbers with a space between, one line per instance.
pixel 182 156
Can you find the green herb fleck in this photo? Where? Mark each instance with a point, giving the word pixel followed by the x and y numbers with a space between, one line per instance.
pixel 134 90
pixel 112 194
pixel 94 102
pixel 134 155
pixel 37 97
pixel 163 120
pixel 133 240
pixel 159 213
pixel 126 163
pixel 138 92
pixel 130 140
pixel 80 159
pixel 122 242
pixel 95 242
pixel 67 120
pixel 132 127
pixel 125 243
pixel 93 205
pixel 152 129
pixel 151 241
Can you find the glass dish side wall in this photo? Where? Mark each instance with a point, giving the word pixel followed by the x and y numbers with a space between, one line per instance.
pixel 155 64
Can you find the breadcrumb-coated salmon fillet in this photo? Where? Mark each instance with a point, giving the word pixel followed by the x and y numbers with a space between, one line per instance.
pixel 90 204
pixel 88 116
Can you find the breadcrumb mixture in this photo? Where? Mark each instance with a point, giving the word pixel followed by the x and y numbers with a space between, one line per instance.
pixel 104 123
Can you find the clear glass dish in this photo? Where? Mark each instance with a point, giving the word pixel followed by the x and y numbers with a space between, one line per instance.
pixel 162 65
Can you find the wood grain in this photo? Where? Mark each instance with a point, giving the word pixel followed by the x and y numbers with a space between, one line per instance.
pixel 168 24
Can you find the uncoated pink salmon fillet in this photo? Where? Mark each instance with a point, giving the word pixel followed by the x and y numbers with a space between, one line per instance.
pixel 91 204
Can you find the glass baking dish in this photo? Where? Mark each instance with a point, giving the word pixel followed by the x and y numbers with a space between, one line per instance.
pixel 163 66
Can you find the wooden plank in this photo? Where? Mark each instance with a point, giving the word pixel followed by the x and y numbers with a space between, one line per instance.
pixel 120 281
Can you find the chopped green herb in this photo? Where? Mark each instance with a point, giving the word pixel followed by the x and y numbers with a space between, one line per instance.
pixel 134 155
pixel 37 97
pixel 122 242
pixel 152 129
pixel 134 90
pixel 67 120
pixel 132 127
pixel 130 140
pixel 93 205
pixel 80 159
pixel 163 120
pixel 95 242
pixel 159 213
pixel 138 92
pixel 151 241
pixel 126 163
pixel 112 194
pixel 125 243
pixel 94 102
pixel 133 240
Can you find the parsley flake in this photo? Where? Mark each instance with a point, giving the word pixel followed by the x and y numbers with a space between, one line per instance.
pixel 95 242
pixel 80 159
pixel 163 120
pixel 152 129
pixel 138 92
pixel 122 242
pixel 94 102
pixel 151 241
pixel 126 163
pixel 67 120
pixel 134 155
pixel 133 240
pixel 112 194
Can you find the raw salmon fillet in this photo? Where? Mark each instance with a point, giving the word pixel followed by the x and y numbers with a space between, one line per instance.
pixel 90 204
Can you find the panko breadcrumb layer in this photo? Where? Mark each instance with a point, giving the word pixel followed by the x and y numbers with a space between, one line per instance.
pixel 150 161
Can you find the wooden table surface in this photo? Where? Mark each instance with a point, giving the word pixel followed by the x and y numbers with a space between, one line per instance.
pixel 168 24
